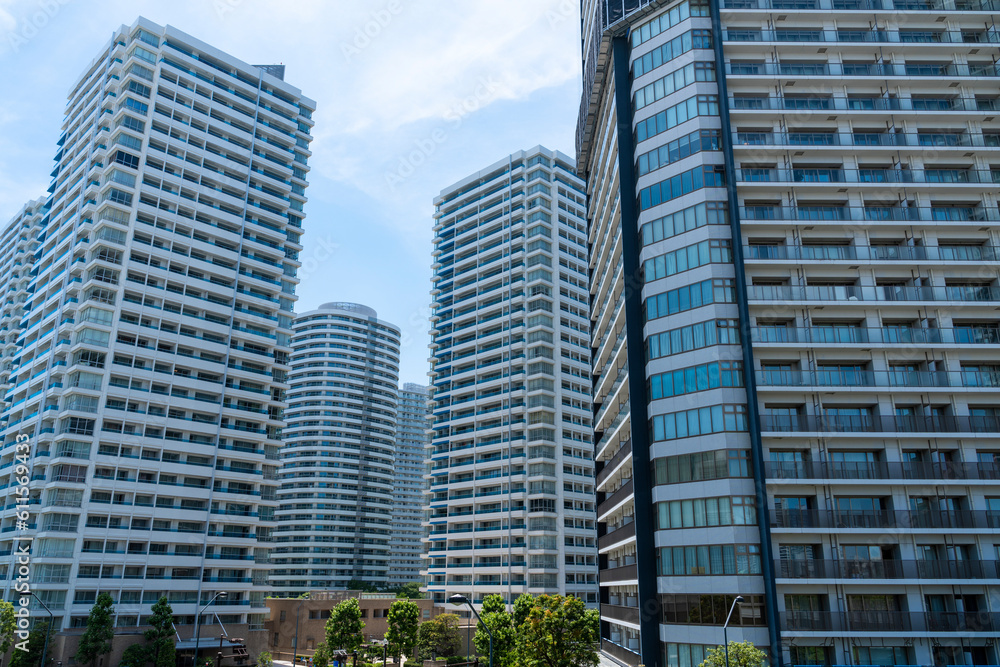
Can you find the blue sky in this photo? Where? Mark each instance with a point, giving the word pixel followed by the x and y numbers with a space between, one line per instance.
pixel 412 96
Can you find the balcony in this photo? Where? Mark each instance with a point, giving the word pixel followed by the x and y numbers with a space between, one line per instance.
pixel 838 175
pixel 886 569
pixel 614 499
pixel 622 573
pixel 878 424
pixel 955 139
pixel 941 520
pixel 860 104
pixel 620 653
pixel 880 293
pixel 889 621
pixel 884 253
pixel 844 378
pixel 623 451
pixel 620 613
pixel 893 335
pixel 880 470
pixel 862 5
pixel 620 535
pixel 884 69
pixel 869 214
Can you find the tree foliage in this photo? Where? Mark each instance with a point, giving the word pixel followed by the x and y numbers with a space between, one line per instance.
pixel 36 644
pixel 360 585
pixel 264 659
pixel 344 628
pixel 321 658
pixel 403 623
pixel 96 639
pixel 494 615
pixel 160 634
pixel 558 632
pixel 741 654
pixel 439 636
pixel 8 625
pixel 410 590
pixel 136 655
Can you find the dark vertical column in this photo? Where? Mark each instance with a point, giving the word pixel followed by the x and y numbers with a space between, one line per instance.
pixel 749 378
pixel 649 604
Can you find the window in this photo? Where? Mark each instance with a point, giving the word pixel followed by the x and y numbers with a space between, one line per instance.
pixel 688 297
pixel 701 466
pixel 712 609
pixel 705 176
pixel 725 559
pixel 696 378
pixel 714 251
pixel 702 512
pixel 693 337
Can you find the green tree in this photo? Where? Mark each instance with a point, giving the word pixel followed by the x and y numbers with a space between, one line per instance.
pixel 403 623
pixel 410 590
pixel 344 627
pixel 321 658
pixel 494 616
pixel 36 644
pixel 363 586
pixel 96 639
pixel 558 632
pixel 522 607
pixel 439 636
pixel 136 655
pixel 264 659
pixel 160 634
pixel 8 625
pixel 741 654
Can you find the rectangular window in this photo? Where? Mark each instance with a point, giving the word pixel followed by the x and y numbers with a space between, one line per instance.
pixel 688 297
pixel 700 105
pixel 699 421
pixel 693 337
pixel 705 176
pixel 696 378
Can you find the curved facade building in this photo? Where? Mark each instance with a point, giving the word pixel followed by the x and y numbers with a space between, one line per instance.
pixel 337 460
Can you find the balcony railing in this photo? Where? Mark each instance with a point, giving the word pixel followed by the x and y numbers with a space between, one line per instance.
pixel 879 424
pixel 887 569
pixel 923 139
pixel 892 335
pixel 623 451
pixel 855 35
pixel 918 470
pixel 863 5
pixel 615 498
pixel 890 621
pixel 967 293
pixel 619 535
pixel 911 69
pixel 830 103
pixel 869 214
pixel 868 176
pixel 837 377
pixel 903 519
pixel 877 253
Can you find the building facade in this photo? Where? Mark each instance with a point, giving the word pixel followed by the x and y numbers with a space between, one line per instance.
pixel 799 229
pixel 511 487
pixel 409 484
pixel 18 242
pixel 336 505
pixel 150 363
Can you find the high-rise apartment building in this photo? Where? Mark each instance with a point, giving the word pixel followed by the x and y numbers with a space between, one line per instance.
pixel 150 363
pixel 793 217
pixel 409 484
pixel 511 479
pixel 18 241
pixel 335 499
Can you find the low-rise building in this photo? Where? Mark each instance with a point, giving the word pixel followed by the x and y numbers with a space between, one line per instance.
pixel 306 617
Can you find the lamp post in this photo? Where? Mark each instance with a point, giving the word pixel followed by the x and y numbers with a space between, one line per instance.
pixel 295 645
pixel 45 646
pixel 725 636
pixel 460 600
pixel 197 624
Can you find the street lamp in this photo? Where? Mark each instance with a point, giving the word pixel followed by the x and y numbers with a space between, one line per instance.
pixel 460 600
pixel 295 645
pixel 197 625
pixel 725 637
pixel 45 647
